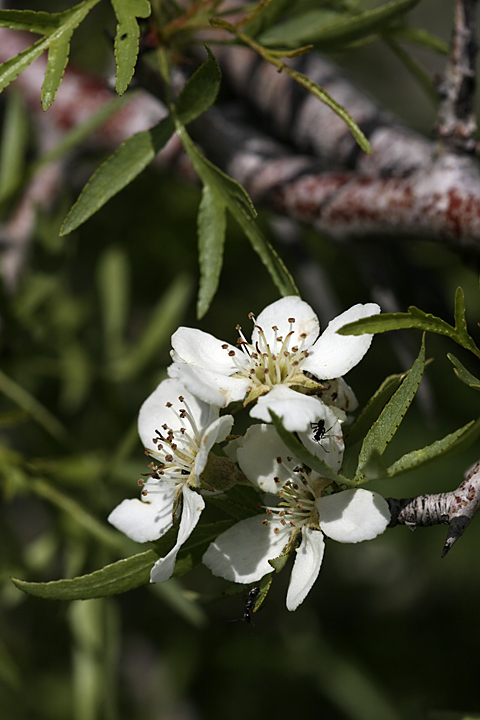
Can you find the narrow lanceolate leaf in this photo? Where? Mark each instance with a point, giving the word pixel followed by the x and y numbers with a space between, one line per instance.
pixel 126 38
pixel 58 52
pixel 57 29
pixel 326 29
pixel 391 416
pixel 200 91
pixel 59 48
pixel 310 460
pixel 119 577
pixel 131 158
pixel 211 222
pixel 29 20
pixel 322 95
pixel 463 374
pixel 373 408
pixel 222 193
pixel 439 449
pixel 12 68
pixel 420 320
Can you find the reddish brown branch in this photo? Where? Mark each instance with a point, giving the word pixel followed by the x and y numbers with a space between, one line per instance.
pixel 455 509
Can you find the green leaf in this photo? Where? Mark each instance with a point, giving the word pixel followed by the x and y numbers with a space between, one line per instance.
pixel 131 158
pixel 391 416
pixel 200 91
pixel 119 577
pixel 306 457
pixel 462 373
pixel 327 29
pixel 418 319
pixel 211 222
pixel 126 38
pixel 372 409
pixel 322 95
pixel 224 193
pixel 57 29
pixel 42 23
pixel 12 68
pixel 453 442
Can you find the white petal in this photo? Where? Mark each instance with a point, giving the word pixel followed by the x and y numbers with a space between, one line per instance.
pixel 330 446
pixel 352 516
pixel 258 458
pixel 195 347
pixel 154 412
pixel 278 313
pixel 296 410
pixel 209 385
pixel 193 504
pixel 308 561
pixel 241 554
pixel 334 355
pixel 145 520
pixel 216 432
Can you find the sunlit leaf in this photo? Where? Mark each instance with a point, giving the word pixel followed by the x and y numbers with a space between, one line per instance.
pixel 127 38
pixel 392 415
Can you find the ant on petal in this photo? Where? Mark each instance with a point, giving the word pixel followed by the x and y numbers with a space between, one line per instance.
pixel 319 432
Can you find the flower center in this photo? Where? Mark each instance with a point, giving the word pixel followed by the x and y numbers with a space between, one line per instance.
pixel 269 365
pixel 174 458
pixel 296 505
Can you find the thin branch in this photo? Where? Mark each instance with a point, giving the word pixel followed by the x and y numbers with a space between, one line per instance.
pixel 456 123
pixel 455 509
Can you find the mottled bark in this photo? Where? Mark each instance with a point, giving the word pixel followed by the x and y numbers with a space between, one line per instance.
pixel 455 509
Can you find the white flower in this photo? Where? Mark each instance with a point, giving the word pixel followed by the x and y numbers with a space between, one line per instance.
pixel 284 345
pixel 178 431
pixel 302 514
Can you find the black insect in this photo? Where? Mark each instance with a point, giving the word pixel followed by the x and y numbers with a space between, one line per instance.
pixel 249 605
pixel 319 432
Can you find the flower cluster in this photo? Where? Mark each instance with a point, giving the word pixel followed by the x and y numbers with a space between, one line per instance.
pixel 287 368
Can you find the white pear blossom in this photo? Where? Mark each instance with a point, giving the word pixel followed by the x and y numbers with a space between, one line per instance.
pixel 301 516
pixel 285 345
pixel 178 432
